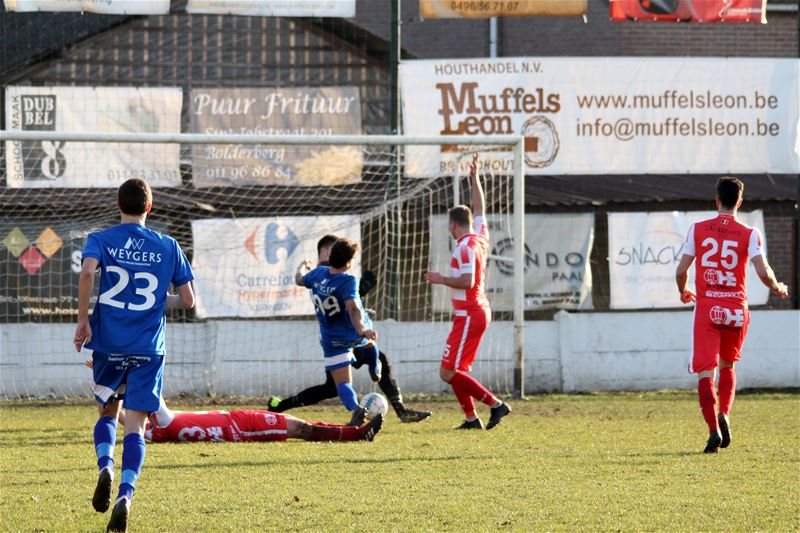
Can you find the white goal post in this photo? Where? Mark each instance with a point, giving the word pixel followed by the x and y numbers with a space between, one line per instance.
pixel 515 144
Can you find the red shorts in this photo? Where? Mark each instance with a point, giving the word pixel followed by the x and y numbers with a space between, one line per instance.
pixel 462 343
pixel 718 332
pixel 260 425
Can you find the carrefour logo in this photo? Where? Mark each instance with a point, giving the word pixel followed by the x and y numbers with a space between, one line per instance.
pixel 277 237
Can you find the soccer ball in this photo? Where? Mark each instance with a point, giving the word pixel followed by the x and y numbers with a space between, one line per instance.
pixel 374 403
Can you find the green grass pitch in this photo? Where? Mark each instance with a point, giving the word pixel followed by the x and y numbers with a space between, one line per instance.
pixel 586 462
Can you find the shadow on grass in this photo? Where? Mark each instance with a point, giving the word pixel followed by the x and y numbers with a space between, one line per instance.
pixel 45 442
pixel 277 462
pixel 683 453
pixel 283 462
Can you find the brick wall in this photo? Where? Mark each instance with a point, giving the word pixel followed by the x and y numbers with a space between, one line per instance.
pixel 781 254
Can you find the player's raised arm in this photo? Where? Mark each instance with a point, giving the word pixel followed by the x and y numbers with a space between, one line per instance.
pixel 302 269
pixel 768 278
pixel 83 332
pixel 478 198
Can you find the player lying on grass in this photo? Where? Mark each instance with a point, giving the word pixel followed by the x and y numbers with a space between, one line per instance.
pixel 721 315
pixel 249 425
pixel 166 425
pixel 327 390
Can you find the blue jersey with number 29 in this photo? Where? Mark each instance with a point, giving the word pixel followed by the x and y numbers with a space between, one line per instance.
pixel 136 267
pixel 330 292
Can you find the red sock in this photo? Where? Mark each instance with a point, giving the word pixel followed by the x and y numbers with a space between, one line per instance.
pixel 473 387
pixel 708 402
pixel 322 432
pixel 727 389
pixel 467 405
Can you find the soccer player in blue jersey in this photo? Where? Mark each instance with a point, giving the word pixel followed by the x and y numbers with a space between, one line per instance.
pixel 126 332
pixel 324 391
pixel 343 324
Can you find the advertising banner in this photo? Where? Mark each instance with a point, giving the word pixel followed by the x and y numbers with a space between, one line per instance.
pixel 291 111
pixel 557 270
pixel 690 10
pixel 40 263
pixel 275 8
pixel 245 267
pixel 642 115
pixel 92 109
pixel 457 9
pixel 645 248
pixel 106 7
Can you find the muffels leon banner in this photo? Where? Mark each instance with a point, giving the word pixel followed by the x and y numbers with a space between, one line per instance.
pixel 467 110
pixel 489 114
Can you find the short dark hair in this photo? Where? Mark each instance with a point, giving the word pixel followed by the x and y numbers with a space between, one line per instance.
pixel 342 252
pixel 134 196
pixel 461 215
pixel 325 241
pixel 729 191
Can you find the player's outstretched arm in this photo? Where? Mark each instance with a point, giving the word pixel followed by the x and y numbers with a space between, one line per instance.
pixel 183 299
pixel 302 269
pixel 682 278
pixel 464 281
pixel 83 332
pixel 478 198
pixel 357 319
pixel 768 278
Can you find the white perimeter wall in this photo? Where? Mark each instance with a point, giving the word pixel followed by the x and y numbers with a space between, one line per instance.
pixel 573 352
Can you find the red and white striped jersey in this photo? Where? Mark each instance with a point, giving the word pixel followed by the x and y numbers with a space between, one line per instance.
pixel 221 426
pixel 724 246
pixel 470 256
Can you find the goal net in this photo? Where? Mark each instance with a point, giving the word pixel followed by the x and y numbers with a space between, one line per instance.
pixel 247 212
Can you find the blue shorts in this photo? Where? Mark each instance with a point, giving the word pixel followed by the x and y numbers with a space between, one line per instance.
pixel 135 378
pixel 339 354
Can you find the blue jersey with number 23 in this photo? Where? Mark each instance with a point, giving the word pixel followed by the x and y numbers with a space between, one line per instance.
pixel 136 267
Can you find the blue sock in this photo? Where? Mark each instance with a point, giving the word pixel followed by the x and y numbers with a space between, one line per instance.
pixel 347 395
pixel 132 460
pixel 105 437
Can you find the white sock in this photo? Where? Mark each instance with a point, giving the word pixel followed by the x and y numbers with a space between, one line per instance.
pixel 127 501
pixel 164 415
pixel 497 404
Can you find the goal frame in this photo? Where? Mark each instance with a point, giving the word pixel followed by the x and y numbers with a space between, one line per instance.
pixel 514 142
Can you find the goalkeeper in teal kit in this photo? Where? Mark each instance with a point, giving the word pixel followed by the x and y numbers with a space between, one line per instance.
pixel 343 324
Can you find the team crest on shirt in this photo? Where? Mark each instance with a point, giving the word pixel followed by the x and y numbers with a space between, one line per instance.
pixel 722 316
pixel 717 278
pixel 135 243
pixel 270 419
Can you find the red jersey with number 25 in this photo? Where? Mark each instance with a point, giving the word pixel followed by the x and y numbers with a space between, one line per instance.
pixel 722 246
pixel 221 426
pixel 470 256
